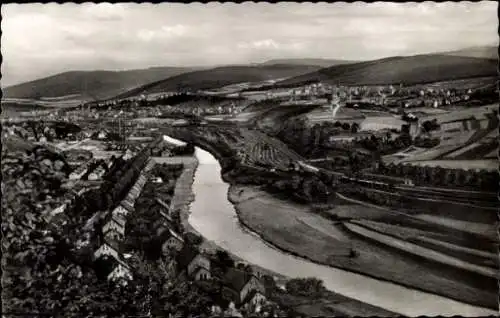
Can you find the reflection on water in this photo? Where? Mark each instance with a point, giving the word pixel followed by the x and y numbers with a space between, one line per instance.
pixel 214 217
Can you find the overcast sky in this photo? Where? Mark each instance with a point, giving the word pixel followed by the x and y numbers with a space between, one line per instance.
pixel 44 39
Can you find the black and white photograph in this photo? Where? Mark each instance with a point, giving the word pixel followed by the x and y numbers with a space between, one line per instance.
pixel 250 159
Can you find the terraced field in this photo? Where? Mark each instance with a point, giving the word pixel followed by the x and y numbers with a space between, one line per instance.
pixel 260 150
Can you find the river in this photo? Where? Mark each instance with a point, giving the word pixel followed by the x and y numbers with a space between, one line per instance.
pixel 213 216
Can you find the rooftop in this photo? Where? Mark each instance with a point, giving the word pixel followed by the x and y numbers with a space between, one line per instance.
pixel 236 279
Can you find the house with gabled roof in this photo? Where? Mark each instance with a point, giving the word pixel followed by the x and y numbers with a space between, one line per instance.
pixel 114 228
pixel 243 287
pixel 110 248
pixel 124 208
pixel 195 263
pixel 97 173
pixel 173 242
pixel 118 269
pixel 164 208
pixel 121 273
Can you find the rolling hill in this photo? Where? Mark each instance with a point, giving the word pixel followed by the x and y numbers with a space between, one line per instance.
pixel 84 85
pixel 315 62
pixel 221 76
pixel 484 52
pixel 408 70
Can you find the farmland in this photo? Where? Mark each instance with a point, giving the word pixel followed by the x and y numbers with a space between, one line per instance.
pixel 293 228
pixel 490 164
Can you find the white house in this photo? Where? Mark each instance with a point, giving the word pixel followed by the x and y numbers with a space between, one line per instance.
pixel 123 209
pixel 128 154
pixel 120 274
pixel 102 134
pixel 97 173
pixel 254 301
pixel 78 173
pixel 106 249
pixel 114 229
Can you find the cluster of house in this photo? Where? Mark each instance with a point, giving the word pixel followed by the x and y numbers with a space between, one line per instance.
pixel 114 230
pixel 242 288
pixel 98 169
pixel 161 148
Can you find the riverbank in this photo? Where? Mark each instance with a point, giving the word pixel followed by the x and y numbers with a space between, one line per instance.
pixel 331 302
pixel 295 230
pixel 184 196
pixel 218 221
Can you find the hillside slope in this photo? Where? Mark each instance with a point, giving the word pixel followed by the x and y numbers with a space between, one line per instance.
pixel 407 70
pixel 306 61
pixel 221 76
pixel 89 84
pixel 484 52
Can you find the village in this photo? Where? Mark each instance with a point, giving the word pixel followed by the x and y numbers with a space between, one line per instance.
pixel 121 211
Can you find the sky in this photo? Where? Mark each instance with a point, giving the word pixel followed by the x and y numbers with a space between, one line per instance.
pixel 40 40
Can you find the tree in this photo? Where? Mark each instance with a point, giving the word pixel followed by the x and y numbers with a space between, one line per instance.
pixel 354 128
pixel 224 260
pixel 309 287
pixel 193 239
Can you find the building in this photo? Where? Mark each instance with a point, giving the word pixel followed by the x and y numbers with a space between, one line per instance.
pixel 79 172
pixel 341 138
pixel 97 173
pixel 123 209
pixel 195 263
pixel 121 273
pixel 243 287
pixel 114 229
pixel 254 300
pixel 173 242
pixel 108 248
pixel 414 128
pixel 164 208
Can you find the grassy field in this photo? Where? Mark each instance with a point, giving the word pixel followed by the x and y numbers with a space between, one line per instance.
pixel 329 305
pixel 487 230
pixel 462 113
pixel 292 227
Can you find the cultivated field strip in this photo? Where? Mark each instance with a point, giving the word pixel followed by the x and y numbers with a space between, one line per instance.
pixel 364 230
